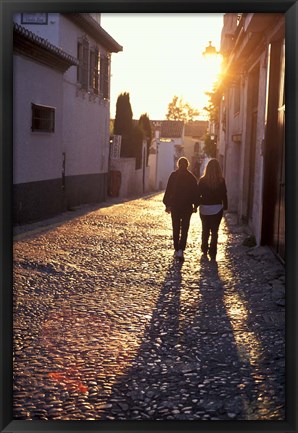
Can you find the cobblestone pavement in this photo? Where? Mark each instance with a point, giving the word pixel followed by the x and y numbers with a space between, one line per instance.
pixel 107 325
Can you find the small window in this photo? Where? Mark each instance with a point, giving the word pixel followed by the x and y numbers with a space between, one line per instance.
pixel 43 118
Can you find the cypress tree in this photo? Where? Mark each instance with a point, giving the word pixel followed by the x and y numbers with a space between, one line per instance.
pixel 137 145
pixel 144 124
pixel 123 124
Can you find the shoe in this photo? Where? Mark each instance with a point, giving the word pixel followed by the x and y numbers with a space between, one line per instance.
pixel 180 254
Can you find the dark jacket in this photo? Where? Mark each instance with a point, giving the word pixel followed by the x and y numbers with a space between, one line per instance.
pixel 209 195
pixel 181 191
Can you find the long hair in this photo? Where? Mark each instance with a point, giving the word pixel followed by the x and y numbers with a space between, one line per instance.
pixel 212 173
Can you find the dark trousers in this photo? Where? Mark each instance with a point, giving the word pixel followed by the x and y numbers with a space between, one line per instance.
pixel 210 224
pixel 180 224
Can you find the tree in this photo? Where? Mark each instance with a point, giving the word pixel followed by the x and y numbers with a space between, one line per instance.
pixel 210 147
pixel 180 110
pixel 132 137
pixel 123 124
pixel 137 138
pixel 144 124
pixel 213 104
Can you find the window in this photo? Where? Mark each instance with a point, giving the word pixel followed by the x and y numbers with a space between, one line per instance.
pixel 94 71
pixel 104 76
pixel 43 118
pixel 82 71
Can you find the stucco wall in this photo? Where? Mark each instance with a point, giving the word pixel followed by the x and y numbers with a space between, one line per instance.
pixel 86 137
pixel 81 132
pixel 36 155
pixel 232 155
pixel 126 166
pixel 259 168
pixel 131 179
pixel 165 163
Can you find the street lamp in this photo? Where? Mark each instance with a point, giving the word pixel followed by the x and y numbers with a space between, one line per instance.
pixel 210 51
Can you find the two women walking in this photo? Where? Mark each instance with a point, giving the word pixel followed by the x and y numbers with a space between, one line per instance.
pixel 183 196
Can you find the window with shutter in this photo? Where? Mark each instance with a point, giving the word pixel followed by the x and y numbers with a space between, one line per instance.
pixel 104 76
pixel 83 57
pixel 94 70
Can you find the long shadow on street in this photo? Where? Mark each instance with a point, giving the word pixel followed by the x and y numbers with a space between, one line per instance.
pixel 188 366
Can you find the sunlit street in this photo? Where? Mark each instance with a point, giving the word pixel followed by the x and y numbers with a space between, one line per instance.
pixel 109 326
pixel 144 248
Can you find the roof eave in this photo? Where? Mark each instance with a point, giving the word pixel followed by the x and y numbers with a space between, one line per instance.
pixel 90 26
pixel 40 50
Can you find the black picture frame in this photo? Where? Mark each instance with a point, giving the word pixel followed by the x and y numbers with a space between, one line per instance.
pixel 7 9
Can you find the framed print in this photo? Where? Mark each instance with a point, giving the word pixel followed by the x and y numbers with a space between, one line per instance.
pixel 140 290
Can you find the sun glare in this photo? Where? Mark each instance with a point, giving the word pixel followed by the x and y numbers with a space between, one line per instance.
pixel 162 57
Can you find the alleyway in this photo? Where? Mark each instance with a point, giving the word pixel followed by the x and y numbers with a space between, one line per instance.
pixel 108 326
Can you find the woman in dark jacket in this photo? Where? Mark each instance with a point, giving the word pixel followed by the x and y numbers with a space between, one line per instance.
pixel 181 201
pixel 212 200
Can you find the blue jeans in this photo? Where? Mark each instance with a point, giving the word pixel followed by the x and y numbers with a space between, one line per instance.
pixel 210 224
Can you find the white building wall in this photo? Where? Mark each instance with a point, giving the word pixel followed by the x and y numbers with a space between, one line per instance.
pixel 48 31
pixel 36 155
pixel 243 155
pixel 86 141
pixel 259 166
pixel 232 156
pixel 166 163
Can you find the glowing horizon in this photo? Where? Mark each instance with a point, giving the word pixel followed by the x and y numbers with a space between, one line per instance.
pixel 162 57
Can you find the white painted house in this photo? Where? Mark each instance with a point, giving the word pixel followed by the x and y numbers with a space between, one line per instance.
pixel 166 149
pixel 194 141
pixel 61 112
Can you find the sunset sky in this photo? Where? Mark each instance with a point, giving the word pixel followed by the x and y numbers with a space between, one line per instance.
pixel 162 57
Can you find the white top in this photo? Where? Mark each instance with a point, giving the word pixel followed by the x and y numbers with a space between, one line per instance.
pixel 210 209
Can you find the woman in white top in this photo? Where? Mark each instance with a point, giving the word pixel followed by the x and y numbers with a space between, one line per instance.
pixel 212 200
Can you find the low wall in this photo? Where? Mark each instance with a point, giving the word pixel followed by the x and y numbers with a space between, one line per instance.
pixel 132 182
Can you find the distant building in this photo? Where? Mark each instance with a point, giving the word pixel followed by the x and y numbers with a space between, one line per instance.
pixel 194 139
pixel 61 112
pixel 167 147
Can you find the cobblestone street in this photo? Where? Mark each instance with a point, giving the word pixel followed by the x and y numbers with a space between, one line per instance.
pixel 108 326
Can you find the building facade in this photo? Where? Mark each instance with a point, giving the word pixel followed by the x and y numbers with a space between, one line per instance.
pixel 194 142
pixel 61 112
pixel 166 148
pixel 250 127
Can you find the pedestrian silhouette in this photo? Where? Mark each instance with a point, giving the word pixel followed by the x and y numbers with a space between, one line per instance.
pixel 181 200
pixel 213 201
